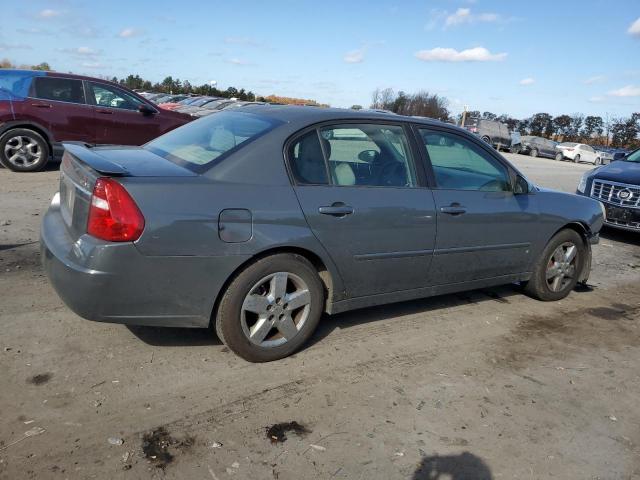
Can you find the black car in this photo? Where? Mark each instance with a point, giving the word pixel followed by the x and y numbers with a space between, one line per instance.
pixel 617 186
pixel 538 147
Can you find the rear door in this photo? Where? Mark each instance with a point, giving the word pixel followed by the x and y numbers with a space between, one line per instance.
pixel 364 198
pixel 484 230
pixel 59 105
pixel 117 118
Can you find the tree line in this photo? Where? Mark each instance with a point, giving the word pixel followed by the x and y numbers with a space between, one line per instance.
pixel 592 129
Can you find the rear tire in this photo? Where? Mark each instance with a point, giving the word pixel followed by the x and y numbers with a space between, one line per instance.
pixel 23 150
pixel 534 152
pixel 486 139
pixel 598 161
pixel 556 272
pixel 576 159
pixel 255 310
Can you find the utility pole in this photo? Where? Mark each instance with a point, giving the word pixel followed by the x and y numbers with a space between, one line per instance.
pixel 464 115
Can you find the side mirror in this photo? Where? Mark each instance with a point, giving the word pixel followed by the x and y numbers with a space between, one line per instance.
pixel 521 186
pixel 145 109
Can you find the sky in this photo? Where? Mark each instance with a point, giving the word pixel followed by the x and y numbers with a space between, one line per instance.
pixel 514 57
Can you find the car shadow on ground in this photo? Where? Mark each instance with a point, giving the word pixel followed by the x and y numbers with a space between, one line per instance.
pixel 175 337
pixel 465 466
pixel 329 323
pixel 622 236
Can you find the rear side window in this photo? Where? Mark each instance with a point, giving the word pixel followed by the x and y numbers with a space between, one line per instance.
pixel 307 160
pixel 204 142
pixel 369 155
pixel 58 89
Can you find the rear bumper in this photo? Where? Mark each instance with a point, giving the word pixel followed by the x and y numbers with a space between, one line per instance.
pixel 114 282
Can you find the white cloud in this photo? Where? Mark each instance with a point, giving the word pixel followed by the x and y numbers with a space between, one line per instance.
pixel 464 15
pixel 594 79
pixel 237 61
pixel 129 32
pixel 477 54
pixel 93 65
pixel 527 81
pixel 85 51
pixel 627 91
pixel 634 28
pixel 354 56
pixel 48 13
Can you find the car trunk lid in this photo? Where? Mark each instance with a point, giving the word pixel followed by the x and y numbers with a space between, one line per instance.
pixel 82 165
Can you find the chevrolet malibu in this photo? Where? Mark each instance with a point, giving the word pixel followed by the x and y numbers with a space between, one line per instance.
pixel 256 222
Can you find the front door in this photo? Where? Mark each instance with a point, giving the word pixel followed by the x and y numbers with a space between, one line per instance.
pixel 484 230
pixel 117 118
pixel 361 195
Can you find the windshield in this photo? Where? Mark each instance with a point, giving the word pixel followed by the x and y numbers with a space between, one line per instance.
pixel 633 157
pixel 200 144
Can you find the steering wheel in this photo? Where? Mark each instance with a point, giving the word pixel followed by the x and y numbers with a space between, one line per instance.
pixel 390 170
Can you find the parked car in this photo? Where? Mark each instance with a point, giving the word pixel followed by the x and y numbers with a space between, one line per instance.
pixel 578 152
pixel 181 103
pixel 617 186
pixel 538 147
pixel 195 104
pixel 39 110
pixel 234 233
pixel 211 102
pixel 211 107
pixel 491 131
pixel 605 153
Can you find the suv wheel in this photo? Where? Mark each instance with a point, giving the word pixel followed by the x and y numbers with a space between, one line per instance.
pixel 534 152
pixel 486 139
pixel 559 156
pixel 557 270
pixel 23 150
pixel 271 308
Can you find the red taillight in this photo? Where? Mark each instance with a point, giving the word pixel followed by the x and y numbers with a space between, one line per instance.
pixel 113 215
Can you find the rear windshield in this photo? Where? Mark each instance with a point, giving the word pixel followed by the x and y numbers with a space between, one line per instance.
pixel 16 83
pixel 202 143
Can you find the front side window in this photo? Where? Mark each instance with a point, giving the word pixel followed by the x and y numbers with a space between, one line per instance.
pixel 368 155
pixel 459 164
pixel 200 144
pixel 112 97
pixel 58 89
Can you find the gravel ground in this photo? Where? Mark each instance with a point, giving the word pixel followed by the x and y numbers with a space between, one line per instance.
pixel 487 384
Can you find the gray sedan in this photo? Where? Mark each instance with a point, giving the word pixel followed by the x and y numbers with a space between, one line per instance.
pixel 257 221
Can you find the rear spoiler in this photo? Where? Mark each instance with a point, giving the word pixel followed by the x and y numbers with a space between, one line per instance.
pixel 82 152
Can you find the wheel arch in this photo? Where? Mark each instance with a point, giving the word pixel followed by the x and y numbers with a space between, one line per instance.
pixel 328 275
pixel 585 233
pixel 39 129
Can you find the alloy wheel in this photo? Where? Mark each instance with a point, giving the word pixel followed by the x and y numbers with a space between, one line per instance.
pixel 22 151
pixel 561 267
pixel 275 309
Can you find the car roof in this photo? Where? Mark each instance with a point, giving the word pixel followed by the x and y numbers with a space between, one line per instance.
pixel 50 73
pixel 304 115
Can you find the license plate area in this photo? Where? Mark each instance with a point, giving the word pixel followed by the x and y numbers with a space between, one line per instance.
pixel 621 214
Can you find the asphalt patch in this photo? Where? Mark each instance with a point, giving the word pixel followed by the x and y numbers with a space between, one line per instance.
pixel 40 379
pixel 278 433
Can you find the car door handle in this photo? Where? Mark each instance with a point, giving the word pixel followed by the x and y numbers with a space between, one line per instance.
pixel 105 112
pixel 41 105
pixel 336 210
pixel 453 209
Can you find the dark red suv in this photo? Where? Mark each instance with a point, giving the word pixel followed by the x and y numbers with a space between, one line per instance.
pixel 39 110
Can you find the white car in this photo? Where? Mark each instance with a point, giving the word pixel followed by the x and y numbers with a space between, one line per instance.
pixel 578 152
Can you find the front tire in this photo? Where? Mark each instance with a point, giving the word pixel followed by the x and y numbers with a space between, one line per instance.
pixel 23 150
pixel 271 308
pixel 598 161
pixel 556 272
pixel 559 157
pixel 576 159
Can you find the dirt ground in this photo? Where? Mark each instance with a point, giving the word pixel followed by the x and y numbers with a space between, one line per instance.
pixel 482 385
